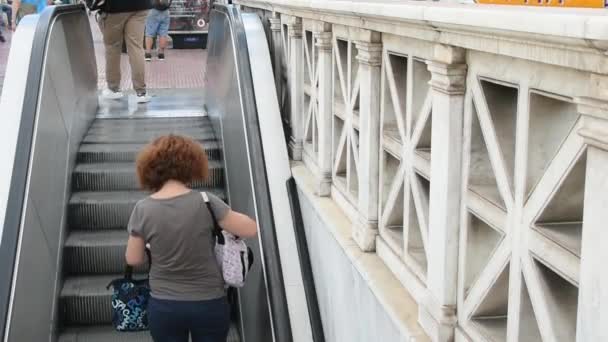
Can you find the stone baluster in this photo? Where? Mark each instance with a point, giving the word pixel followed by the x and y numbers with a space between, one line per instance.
pixel 296 87
pixel 370 62
pixel 277 50
pixel 323 43
pixel 438 312
pixel 593 284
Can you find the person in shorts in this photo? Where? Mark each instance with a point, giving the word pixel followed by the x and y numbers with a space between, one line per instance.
pixel 21 8
pixel 157 25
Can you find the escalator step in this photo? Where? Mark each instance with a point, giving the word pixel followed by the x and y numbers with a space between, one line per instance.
pixel 122 176
pixel 96 252
pixel 140 125
pixel 204 134
pixel 108 334
pixel 86 301
pixel 107 210
pixel 102 334
pixel 125 153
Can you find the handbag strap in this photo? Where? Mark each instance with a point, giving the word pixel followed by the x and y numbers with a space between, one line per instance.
pixel 129 268
pixel 217 231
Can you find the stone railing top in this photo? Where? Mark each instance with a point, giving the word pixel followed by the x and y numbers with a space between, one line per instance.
pixel 587 24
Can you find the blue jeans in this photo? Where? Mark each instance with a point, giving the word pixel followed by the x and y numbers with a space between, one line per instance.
pixel 173 321
pixel 157 23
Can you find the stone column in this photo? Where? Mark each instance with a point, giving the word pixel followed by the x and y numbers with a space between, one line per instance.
pixel 366 225
pixel 296 87
pixel 592 316
pixel 438 312
pixel 277 50
pixel 323 42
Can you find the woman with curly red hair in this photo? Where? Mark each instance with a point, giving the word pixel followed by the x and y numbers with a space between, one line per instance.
pixel 188 296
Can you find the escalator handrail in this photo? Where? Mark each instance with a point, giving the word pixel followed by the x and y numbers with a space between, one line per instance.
pixel 316 323
pixel 17 191
pixel 279 311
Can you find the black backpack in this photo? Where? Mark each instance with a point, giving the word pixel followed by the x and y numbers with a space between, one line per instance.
pixel 161 5
pixel 96 5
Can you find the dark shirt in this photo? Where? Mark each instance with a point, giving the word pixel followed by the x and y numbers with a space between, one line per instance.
pixel 121 6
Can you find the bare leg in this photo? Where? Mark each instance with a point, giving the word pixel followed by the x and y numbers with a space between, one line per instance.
pixel 162 44
pixel 148 44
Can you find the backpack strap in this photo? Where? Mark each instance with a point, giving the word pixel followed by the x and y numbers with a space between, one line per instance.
pixel 217 231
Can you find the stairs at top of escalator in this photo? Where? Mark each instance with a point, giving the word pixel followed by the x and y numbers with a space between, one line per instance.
pixel 104 192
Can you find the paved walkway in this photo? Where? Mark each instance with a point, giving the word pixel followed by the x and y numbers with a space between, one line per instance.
pixel 181 69
pixel 4 49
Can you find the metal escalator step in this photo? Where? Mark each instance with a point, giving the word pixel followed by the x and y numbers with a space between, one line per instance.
pixel 108 210
pixel 139 125
pixel 96 252
pixel 151 121
pixel 86 301
pixel 113 153
pixel 143 137
pixel 122 176
pixel 106 333
pixel 102 333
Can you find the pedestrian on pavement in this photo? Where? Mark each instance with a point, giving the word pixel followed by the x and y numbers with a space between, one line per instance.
pixel 157 25
pixel 2 39
pixel 21 8
pixel 124 20
pixel 6 7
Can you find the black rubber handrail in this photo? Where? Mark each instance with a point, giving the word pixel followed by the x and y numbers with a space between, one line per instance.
pixel 16 196
pixel 272 262
pixel 316 324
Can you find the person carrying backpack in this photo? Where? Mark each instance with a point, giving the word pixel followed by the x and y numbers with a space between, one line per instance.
pixel 118 21
pixel 157 25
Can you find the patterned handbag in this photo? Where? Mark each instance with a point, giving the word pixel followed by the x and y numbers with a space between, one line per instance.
pixel 233 256
pixel 130 301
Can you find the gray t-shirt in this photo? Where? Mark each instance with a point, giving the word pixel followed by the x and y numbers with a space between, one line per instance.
pixel 179 231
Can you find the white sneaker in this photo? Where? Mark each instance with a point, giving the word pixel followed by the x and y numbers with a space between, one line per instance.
pixel 111 95
pixel 143 98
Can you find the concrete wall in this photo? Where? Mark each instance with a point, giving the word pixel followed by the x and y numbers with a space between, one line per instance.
pixel 359 299
pixel 349 309
pixel 464 145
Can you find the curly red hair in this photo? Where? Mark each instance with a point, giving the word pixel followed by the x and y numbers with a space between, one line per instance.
pixel 171 157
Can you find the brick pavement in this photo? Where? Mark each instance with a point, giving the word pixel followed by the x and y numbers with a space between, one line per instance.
pixel 181 69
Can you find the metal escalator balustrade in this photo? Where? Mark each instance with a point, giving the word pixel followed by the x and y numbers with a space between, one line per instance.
pixel 104 192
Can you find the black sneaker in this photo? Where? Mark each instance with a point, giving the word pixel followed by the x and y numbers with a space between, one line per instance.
pixel 2 40
pixel 161 56
pixel 148 56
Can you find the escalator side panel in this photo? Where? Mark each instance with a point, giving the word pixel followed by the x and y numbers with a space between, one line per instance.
pixel 59 104
pixel 278 173
pixel 226 106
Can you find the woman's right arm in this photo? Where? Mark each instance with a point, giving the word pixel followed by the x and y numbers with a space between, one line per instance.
pixel 239 224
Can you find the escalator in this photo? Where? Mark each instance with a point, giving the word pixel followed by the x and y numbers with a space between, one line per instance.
pixel 69 184
pixel 104 192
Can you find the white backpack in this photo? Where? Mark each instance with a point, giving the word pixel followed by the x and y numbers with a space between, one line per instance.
pixel 232 254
